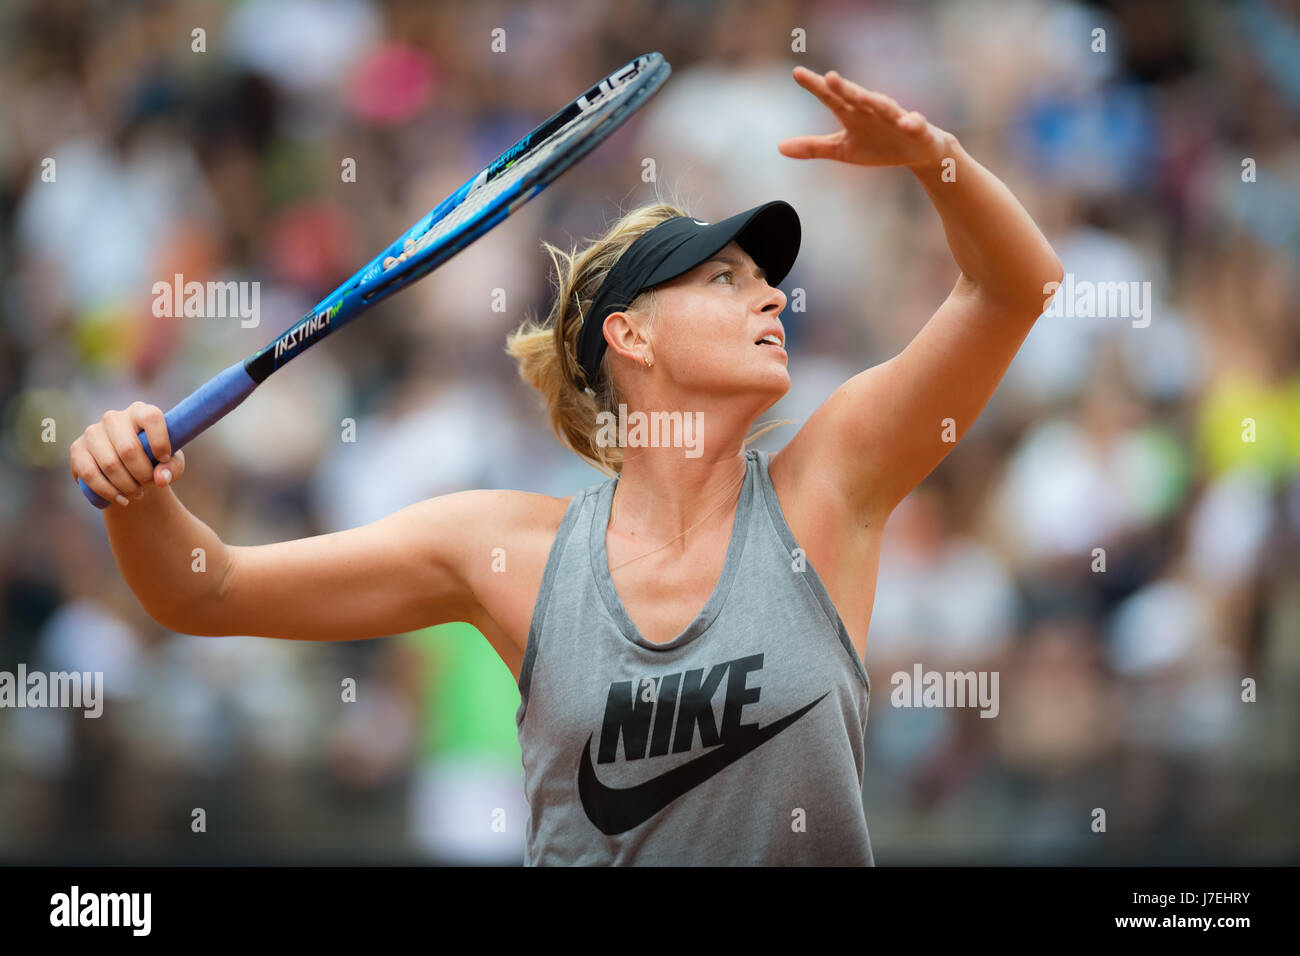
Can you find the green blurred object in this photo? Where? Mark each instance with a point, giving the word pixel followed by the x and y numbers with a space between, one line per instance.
pixel 470 696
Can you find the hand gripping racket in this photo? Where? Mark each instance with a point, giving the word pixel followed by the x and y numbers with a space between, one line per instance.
pixel 509 181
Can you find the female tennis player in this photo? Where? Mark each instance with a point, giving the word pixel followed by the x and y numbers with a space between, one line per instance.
pixel 689 634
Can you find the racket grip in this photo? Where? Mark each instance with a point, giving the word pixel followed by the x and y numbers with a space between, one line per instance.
pixel 194 414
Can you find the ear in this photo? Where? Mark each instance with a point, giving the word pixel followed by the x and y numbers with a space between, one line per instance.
pixel 624 335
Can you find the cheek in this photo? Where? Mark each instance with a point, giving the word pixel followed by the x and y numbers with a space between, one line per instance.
pixel 693 338
pixel 701 348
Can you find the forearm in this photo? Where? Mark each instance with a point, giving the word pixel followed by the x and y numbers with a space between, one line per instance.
pixel 1000 250
pixel 172 561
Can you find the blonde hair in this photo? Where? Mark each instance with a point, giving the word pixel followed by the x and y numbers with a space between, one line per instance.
pixel 547 352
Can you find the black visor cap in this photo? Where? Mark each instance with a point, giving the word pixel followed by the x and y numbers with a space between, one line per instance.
pixel 768 233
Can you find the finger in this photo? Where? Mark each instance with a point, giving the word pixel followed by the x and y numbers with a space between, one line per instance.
pixel 124 433
pixel 108 461
pixel 150 418
pixel 812 147
pixel 84 467
pixel 817 86
pixel 168 473
pixel 862 97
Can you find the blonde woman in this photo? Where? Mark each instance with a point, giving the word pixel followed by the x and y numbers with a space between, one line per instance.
pixel 689 634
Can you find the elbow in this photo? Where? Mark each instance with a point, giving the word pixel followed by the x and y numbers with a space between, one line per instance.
pixel 1049 273
pixel 1034 288
pixel 180 620
pixel 1056 275
pixel 1057 270
pixel 1047 279
pixel 202 613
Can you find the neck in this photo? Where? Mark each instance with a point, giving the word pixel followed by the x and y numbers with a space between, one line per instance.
pixel 663 493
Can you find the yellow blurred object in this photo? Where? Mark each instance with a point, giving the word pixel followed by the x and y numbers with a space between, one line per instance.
pixel 108 337
pixel 39 424
pixel 1245 423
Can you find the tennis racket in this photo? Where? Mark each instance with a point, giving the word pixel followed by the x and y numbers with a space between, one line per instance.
pixel 509 181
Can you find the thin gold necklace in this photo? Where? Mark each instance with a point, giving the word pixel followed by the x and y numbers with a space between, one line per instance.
pixel 724 500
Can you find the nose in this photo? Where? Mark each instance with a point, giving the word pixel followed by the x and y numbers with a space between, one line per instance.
pixel 773 301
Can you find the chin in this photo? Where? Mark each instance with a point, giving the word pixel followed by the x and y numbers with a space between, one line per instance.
pixel 773 385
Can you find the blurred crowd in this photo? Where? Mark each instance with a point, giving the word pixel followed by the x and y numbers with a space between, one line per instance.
pixel 1118 536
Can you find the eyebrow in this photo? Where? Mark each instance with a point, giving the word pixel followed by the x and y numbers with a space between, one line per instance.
pixel 733 261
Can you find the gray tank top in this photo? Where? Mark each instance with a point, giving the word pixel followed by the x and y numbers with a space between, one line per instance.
pixel 739 742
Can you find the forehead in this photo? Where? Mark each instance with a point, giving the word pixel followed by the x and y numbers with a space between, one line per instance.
pixel 731 251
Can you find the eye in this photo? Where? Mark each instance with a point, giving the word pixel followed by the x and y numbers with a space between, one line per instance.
pixel 727 272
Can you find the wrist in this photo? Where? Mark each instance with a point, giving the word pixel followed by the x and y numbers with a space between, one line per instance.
pixel 946 147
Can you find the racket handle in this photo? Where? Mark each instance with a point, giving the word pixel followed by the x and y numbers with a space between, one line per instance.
pixel 194 414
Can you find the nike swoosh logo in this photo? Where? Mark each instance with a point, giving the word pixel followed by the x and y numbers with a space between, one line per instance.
pixel 618 809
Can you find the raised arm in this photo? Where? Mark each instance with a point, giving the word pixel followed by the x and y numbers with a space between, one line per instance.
pixel 885 429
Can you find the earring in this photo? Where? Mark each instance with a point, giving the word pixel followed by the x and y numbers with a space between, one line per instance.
pixel 649 364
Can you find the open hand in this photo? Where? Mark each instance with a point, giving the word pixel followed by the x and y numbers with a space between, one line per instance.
pixel 877 131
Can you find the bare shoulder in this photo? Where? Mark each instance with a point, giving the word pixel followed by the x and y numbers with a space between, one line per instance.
pixel 836 453
pixel 804 485
pixel 503 560
pixel 504 507
pixel 502 535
